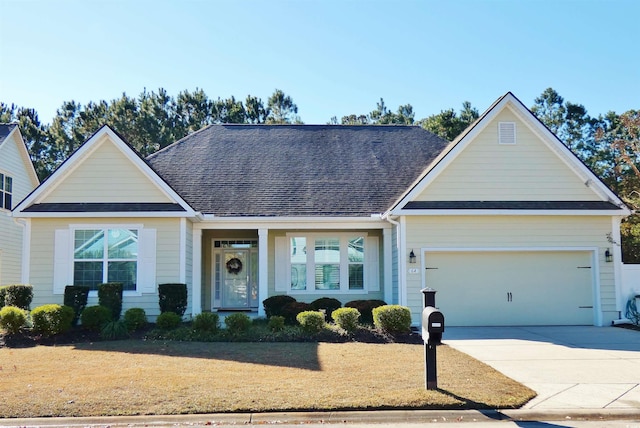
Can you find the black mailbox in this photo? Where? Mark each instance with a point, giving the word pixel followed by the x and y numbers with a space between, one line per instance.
pixel 432 325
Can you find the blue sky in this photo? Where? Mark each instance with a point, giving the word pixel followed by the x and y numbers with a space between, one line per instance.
pixel 333 57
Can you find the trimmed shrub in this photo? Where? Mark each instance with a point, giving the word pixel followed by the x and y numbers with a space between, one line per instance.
pixel 237 323
pixel 365 307
pixel 135 319
pixel 206 322
pixel 326 304
pixel 311 321
pixel 276 323
pixel 346 318
pixel 18 295
pixel 95 317
pixel 52 319
pixel 392 319
pixel 114 330
pixel 291 310
pixel 3 292
pixel 173 298
pixel 110 296
pixel 76 296
pixel 12 319
pixel 168 321
pixel 274 305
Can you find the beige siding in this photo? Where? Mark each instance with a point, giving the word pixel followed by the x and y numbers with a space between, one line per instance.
pixel 42 246
pixel 12 164
pixel 449 232
pixel 107 175
pixel 525 171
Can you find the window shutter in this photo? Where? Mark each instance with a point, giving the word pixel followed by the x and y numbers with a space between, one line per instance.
pixel 61 260
pixel 507 132
pixel 147 261
pixel 281 264
pixel 373 264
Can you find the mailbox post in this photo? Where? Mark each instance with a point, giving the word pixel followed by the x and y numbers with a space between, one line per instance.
pixel 432 329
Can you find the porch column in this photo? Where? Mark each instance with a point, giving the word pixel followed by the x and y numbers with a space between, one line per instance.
pixel 263 268
pixel 196 276
pixel 387 257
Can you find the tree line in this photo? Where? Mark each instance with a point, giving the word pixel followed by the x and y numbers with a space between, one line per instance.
pixel 608 144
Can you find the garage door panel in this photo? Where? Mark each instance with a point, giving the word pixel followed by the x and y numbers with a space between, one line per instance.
pixel 512 288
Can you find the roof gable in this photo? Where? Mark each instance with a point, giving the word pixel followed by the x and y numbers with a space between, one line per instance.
pixel 535 167
pixel 296 170
pixel 12 147
pixel 105 175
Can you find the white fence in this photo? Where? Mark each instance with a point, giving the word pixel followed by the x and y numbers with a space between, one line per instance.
pixel 630 281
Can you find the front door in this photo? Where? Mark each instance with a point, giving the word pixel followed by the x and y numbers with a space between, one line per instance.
pixel 235 284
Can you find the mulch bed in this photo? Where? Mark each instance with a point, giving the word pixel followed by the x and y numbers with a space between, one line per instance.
pixel 28 338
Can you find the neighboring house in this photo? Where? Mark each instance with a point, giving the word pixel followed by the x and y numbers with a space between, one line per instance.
pixel 17 179
pixel 505 222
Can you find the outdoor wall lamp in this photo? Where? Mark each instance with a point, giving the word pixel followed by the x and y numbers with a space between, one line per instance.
pixel 412 257
pixel 608 257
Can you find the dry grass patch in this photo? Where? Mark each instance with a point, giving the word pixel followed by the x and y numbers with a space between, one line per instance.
pixel 136 377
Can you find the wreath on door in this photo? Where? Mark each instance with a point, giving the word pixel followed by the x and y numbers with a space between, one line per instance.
pixel 234 266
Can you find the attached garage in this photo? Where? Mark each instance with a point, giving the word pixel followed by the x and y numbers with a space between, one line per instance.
pixel 493 288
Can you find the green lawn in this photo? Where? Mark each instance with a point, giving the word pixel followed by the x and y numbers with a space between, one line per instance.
pixel 134 377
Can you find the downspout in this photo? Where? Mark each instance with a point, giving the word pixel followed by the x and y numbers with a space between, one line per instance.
pixel 401 268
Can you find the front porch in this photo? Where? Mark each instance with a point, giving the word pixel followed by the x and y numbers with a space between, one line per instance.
pixel 236 269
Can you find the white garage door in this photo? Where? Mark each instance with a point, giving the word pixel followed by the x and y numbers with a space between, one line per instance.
pixel 512 288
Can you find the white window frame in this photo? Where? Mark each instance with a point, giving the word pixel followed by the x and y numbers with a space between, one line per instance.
pixel 344 262
pixel 4 191
pixel 105 227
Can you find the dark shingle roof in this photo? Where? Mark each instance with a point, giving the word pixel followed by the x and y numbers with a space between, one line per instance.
pixel 511 205
pixel 97 207
pixel 296 170
pixel 5 130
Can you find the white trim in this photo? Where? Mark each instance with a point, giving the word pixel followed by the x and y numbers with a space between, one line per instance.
pixel 402 262
pixel 505 212
pixel 595 271
pixel 26 251
pixel 183 251
pixel 387 241
pixel 84 151
pixel 616 251
pixel 119 214
pixel 196 286
pixel 263 268
pixel 307 223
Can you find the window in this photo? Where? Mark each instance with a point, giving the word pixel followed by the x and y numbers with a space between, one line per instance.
pixel 327 263
pixel 105 255
pixel 6 191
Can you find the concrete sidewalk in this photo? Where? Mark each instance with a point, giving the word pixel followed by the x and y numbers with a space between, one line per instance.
pixel 570 368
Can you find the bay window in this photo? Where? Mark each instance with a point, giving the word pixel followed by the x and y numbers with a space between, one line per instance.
pixel 320 263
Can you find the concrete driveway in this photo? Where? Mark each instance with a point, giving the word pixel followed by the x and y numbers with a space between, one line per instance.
pixel 569 367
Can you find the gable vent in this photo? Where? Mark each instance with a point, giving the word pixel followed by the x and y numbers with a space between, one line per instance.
pixel 507 132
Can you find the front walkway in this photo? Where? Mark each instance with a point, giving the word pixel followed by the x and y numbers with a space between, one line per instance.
pixel 569 367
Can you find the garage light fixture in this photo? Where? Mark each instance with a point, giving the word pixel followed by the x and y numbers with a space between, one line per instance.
pixel 608 257
pixel 412 257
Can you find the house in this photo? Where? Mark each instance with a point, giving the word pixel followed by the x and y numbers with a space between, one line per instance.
pixel 17 179
pixel 504 222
